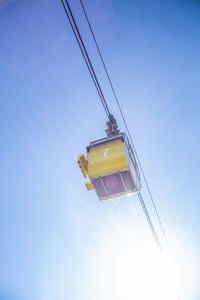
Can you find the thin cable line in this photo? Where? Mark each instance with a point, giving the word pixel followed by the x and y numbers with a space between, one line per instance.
pixel 125 123
pixel 82 52
pixel 94 78
pixel 86 56
pixel 91 70
pixel 149 221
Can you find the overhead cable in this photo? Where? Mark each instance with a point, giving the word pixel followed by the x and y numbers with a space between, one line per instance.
pixel 149 221
pixel 80 42
pixel 102 98
pixel 100 93
pixel 125 123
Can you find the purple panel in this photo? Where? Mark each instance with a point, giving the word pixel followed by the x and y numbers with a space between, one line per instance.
pixel 128 180
pixel 99 187
pixel 113 184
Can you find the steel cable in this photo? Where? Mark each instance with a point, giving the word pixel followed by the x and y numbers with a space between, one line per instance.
pixel 125 123
pixel 102 98
pixel 85 55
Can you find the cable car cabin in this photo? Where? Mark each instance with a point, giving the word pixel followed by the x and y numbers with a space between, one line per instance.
pixel 111 167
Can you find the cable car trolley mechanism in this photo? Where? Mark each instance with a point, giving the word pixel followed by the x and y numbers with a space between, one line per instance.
pixel 111 165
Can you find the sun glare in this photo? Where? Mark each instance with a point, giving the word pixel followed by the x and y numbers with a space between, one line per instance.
pixel 140 273
pixel 127 269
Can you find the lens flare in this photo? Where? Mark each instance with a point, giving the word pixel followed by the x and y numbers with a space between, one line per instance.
pixel 127 268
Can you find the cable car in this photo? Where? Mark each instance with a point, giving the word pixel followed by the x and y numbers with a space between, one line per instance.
pixel 111 167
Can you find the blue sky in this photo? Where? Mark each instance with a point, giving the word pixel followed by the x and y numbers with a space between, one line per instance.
pixel 57 240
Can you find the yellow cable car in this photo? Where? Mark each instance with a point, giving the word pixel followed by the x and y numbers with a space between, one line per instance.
pixel 111 167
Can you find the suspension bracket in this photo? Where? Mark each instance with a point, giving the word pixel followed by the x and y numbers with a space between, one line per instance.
pixel 112 126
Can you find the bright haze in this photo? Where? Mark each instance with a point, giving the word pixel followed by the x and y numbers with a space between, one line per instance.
pixel 58 241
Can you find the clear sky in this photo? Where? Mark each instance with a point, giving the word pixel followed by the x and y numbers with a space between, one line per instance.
pixel 57 241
